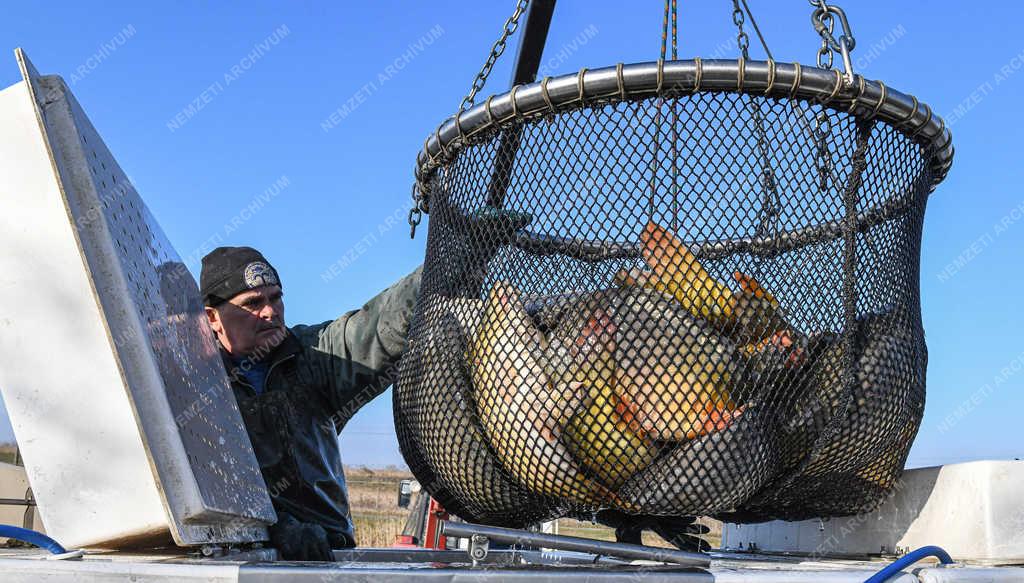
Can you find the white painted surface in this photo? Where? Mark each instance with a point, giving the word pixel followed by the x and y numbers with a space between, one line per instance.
pixel 113 381
pixel 975 511
pixel 60 381
pixel 163 568
pixel 29 571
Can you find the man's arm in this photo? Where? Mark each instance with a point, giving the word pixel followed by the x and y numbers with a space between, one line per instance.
pixel 362 347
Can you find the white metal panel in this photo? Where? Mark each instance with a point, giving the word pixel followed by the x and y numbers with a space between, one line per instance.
pixel 975 511
pixel 61 384
pixel 160 367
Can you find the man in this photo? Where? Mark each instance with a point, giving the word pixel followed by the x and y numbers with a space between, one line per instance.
pixel 297 387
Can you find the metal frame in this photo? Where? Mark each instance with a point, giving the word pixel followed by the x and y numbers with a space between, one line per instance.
pixel 481 535
pixel 864 100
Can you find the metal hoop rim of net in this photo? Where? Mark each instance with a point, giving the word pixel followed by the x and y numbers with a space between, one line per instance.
pixel 863 99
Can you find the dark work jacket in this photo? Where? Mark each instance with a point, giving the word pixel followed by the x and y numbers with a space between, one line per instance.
pixel 317 378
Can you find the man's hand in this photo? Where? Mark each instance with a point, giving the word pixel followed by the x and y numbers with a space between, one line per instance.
pixel 300 541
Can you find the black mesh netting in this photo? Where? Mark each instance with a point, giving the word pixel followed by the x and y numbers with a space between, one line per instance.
pixel 696 306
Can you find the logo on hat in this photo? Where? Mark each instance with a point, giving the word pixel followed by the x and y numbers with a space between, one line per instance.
pixel 259 273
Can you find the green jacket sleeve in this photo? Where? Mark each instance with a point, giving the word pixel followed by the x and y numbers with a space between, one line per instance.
pixel 360 350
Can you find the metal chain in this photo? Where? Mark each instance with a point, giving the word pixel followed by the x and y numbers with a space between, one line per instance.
pixel 771 205
pixel 499 47
pixel 829 24
pixel 419 206
pixel 825 24
pixel 668 23
pixel 742 39
pixel 822 129
pixel 419 200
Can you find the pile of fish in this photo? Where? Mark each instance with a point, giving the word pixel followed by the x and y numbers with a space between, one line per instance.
pixel 666 393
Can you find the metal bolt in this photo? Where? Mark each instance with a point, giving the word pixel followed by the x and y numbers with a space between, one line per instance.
pixel 478 547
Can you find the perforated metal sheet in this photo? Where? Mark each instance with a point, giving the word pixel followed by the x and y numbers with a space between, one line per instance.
pixel 169 324
pixel 173 375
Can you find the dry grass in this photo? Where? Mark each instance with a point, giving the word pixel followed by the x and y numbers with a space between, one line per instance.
pixel 377 530
pixel 8 451
pixel 373 494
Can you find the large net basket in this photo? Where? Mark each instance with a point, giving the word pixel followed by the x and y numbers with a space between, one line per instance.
pixel 683 288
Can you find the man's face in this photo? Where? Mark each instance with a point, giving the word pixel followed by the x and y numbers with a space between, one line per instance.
pixel 251 323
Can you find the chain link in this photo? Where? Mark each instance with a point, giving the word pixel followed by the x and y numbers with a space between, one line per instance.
pixel 419 206
pixel 770 207
pixel 496 51
pixel 822 130
pixel 822 122
pixel 742 39
pixel 825 52
pixel 419 200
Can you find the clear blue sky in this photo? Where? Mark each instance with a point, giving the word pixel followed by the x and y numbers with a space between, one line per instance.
pixel 266 123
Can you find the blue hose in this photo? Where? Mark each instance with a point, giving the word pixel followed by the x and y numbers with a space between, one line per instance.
pixel 30 536
pixel 909 559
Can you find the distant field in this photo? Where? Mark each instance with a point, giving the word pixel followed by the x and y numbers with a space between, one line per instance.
pixel 7 452
pixel 373 495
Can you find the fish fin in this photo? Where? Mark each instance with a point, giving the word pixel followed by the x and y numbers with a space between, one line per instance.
pixel 549 434
pixel 599 327
pixel 715 418
pixel 677 270
pixel 630 415
pixel 751 286
pixel 664 252
pixel 634 277
pixel 783 341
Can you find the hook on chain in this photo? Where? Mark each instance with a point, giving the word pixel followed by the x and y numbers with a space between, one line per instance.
pixel 823 20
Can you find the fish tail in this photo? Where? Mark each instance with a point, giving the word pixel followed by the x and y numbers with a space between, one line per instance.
pixel 679 270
